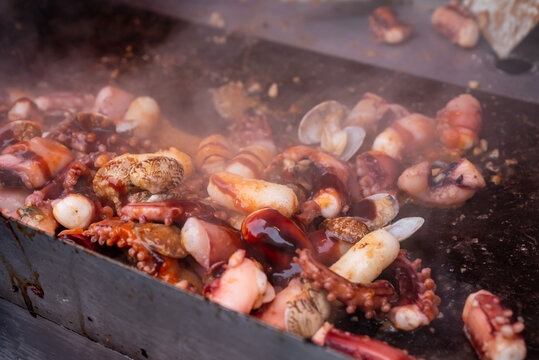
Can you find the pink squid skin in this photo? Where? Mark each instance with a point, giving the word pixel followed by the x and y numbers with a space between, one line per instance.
pixel 209 243
pixel 112 102
pixel 488 326
pixel 459 122
pixel 33 162
pixel 242 287
pixel 357 346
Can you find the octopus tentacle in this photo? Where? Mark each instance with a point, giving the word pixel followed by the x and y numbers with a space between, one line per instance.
pixel 418 303
pixel 370 298
pixel 488 326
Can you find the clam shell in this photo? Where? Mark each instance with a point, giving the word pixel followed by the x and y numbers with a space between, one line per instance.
pixel 348 229
pixel 302 318
pixel 405 227
pixel 310 127
pixel 386 209
pixel 355 135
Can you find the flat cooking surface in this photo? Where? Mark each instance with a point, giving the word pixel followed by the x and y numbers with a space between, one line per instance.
pixel 489 243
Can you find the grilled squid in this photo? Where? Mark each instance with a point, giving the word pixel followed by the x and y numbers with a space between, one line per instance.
pixel 488 326
pixel 213 154
pixel 459 122
pixel 209 243
pixel 446 187
pixel 456 23
pixel 112 102
pixel 32 163
pixel 357 346
pixel 242 287
pixel 377 172
pixel 247 195
pixel 251 161
pixel 19 130
pixel 386 26
pixel 408 134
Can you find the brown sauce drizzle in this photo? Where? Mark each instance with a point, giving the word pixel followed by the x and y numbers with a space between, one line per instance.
pixel 364 210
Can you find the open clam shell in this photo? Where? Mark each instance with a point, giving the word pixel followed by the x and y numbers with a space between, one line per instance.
pixel 377 210
pixel 405 227
pixel 355 135
pixel 313 122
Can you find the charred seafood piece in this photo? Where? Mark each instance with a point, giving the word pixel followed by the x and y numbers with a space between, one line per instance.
pixel 377 172
pixel 459 122
pixel 457 23
pixel 32 163
pixel 210 244
pixel 39 217
pixel 247 195
pixel 442 187
pixel 386 26
pixel 242 287
pixel 408 134
pixel 418 304
pixel 488 326
pixel 274 239
pixel 299 309
pixel 357 346
pixel 324 124
pixel 128 173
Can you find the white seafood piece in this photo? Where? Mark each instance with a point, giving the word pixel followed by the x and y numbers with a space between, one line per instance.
pixel 405 227
pixel 251 161
pixel 244 195
pixel 408 317
pixel 330 202
pixel 386 207
pixel 243 286
pixel 74 211
pixel 141 117
pixel 367 258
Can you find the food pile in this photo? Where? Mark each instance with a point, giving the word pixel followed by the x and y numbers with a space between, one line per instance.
pixel 289 234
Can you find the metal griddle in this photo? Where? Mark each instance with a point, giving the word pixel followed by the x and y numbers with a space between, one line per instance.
pixel 489 243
